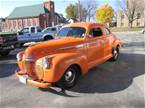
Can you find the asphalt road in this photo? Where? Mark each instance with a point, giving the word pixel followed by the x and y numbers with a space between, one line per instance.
pixel 111 85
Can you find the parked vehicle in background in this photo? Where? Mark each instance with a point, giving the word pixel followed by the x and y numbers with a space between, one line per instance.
pixel 52 30
pixel 7 43
pixel 80 47
pixel 35 34
pixel 143 31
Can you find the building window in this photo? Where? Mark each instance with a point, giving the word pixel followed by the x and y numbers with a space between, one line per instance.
pixel 51 6
pixel 122 24
pixel 19 24
pixel 9 24
pixel 24 23
pixel 34 22
pixel 14 24
pixel 29 22
pixel 138 15
pixel 122 17
pixel 138 24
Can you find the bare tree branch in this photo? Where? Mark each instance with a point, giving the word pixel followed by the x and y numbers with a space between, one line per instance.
pixel 131 8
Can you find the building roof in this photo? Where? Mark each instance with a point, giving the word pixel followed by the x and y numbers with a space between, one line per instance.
pixel 28 11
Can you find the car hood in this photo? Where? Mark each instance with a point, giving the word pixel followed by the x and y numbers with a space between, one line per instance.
pixel 51 47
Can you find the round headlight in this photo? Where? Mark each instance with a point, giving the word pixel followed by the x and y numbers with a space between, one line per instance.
pixel 19 56
pixel 46 64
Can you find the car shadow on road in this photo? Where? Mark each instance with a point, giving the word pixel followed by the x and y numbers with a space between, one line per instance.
pixel 112 76
pixel 109 77
pixel 57 92
pixel 7 66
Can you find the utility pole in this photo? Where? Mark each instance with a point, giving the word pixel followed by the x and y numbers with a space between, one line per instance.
pixel 79 10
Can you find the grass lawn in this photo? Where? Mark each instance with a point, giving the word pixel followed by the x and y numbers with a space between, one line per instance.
pixel 124 29
pixel 7 33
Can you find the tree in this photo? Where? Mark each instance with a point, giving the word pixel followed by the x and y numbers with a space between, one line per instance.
pixel 131 8
pixel 104 14
pixel 90 6
pixel 76 11
pixel 82 11
pixel 70 11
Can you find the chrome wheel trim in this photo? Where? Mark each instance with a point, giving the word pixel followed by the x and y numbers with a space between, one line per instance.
pixel 69 76
pixel 115 54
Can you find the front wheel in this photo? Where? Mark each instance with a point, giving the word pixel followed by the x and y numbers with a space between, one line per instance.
pixel 115 54
pixel 69 78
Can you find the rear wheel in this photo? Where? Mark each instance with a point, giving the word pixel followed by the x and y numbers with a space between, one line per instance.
pixel 46 38
pixel 69 78
pixel 115 54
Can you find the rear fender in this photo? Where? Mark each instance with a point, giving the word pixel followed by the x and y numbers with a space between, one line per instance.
pixel 117 43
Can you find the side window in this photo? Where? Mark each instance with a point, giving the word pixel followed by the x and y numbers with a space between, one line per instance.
pixel 96 32
pixel 32 29
pixel 48 29
pixel 39 29
pixel 106 31
pixel 53 29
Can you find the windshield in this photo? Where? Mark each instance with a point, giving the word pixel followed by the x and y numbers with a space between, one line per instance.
pixel 25 30
pixel 72 31
pixel 52 29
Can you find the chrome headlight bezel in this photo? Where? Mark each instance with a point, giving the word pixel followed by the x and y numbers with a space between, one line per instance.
pixel 19 56
pixel 47 62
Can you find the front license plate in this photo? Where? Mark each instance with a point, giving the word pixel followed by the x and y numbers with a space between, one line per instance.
pixel 22 79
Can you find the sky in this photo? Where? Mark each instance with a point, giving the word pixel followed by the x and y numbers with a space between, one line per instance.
pixel 7 6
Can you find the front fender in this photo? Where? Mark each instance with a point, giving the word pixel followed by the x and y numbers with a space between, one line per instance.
pixel 61 62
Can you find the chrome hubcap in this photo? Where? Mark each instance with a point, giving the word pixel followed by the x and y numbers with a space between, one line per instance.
pixel 69 76
pixel 115 54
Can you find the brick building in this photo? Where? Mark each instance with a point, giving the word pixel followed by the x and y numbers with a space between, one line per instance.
pixel 42 15
pixel 122 20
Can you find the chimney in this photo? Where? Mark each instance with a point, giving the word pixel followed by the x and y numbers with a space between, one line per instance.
pixel 49 4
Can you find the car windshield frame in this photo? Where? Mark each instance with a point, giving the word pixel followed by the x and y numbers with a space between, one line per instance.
pixel 25 30
pixel 67 32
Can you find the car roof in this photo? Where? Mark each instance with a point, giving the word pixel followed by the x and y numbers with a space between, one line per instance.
pixel 84 24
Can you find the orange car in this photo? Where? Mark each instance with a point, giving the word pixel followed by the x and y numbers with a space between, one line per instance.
pixel 77 48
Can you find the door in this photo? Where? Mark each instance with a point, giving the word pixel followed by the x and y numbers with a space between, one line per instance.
pixel 24 35
pixel 108 43
pixel 36 34
pixel 33 36
pixel 95 46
